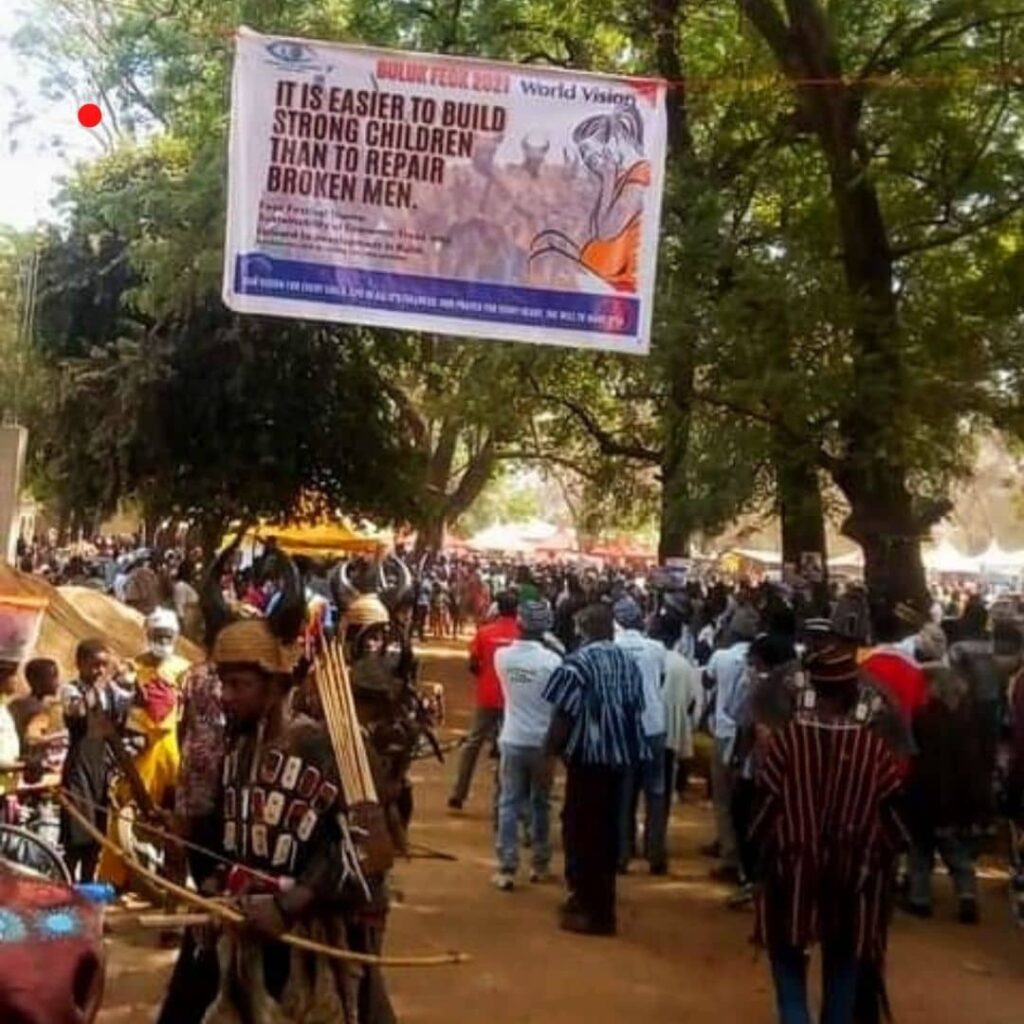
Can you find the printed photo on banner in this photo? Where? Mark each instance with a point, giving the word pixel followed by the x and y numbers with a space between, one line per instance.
pixel 431 193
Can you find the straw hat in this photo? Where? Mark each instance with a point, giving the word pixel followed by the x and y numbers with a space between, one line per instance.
pixel 253 642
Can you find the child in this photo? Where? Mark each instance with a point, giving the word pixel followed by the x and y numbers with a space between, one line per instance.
pixel 93 704
pixel 43 678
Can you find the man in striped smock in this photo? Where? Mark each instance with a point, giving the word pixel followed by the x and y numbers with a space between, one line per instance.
pixel 828 835
pixel 597 728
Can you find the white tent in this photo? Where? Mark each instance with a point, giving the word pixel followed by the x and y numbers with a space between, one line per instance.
pixel 851 560
pixel 503 537
pixel 755 555
pixel 535 530
pixel 995 559
pixel 946 559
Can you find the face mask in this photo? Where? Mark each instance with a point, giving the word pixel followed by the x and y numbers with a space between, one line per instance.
pixel 161 649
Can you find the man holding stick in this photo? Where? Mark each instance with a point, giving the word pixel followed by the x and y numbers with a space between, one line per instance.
pixel 284 829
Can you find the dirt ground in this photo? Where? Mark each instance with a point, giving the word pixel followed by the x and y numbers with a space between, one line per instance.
pixel 680 954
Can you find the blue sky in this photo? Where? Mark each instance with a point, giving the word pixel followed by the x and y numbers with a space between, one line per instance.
pixel 29 174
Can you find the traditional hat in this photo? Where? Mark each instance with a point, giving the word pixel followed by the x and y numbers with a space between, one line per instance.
pixel 253 642
pixel 389 580
pixel 21 619
pixel 817 627
pixel 831 665
pixel 269 643
pixel 367 610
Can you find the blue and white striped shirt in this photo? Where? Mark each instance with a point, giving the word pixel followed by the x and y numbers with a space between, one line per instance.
pixel 601 689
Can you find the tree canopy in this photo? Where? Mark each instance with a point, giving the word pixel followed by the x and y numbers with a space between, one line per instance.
pixel 839 295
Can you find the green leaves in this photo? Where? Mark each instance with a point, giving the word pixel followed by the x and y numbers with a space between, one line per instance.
pixel 760 328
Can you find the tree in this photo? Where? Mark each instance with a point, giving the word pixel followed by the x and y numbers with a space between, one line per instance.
pixel 22 383
pixel 840 268
pixel 196 412
pixel 870 161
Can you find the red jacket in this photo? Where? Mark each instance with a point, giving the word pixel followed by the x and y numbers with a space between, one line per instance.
pixel 489 638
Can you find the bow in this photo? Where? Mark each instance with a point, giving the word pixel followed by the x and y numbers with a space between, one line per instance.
pixel 230 915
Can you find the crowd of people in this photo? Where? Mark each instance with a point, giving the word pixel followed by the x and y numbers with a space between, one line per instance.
pixel 845 742
pixel 845 750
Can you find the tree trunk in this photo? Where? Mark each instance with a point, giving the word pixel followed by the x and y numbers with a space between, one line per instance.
pixel 873 469
pixel 885 523
pixel 674 539
pixel 677 349
pixel 802 515
pixel 800 511
pixel 430 534
pixel 444 504
pixel 210 530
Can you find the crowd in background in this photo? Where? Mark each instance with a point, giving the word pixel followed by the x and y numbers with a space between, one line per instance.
pixel 849 741
pixel 846 741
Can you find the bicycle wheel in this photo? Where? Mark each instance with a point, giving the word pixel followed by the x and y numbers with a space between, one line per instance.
pixel 25 851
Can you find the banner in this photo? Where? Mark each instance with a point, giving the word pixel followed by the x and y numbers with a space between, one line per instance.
pixel 440 194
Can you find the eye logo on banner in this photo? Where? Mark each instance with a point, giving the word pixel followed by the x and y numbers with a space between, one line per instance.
pixel 432 193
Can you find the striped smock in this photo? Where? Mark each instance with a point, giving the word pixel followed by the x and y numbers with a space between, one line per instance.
pixel 601 689
pixel 829 834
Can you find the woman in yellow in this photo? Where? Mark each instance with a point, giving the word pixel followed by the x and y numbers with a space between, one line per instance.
pixel 611 148
pixel 151 727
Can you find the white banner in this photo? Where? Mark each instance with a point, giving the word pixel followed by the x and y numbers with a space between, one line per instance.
pixel 440 194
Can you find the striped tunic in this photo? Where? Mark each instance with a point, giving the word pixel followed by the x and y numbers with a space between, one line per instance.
pixel 829 835
pixel 600 688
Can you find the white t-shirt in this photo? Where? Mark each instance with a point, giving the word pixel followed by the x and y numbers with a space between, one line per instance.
pixel 523 668
pixel 649 657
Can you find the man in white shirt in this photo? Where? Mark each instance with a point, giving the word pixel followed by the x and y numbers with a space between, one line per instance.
pixel 649 777
pixel 726 676
pixel 526 772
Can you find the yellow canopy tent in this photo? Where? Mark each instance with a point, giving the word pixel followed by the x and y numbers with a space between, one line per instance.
pixel 316 540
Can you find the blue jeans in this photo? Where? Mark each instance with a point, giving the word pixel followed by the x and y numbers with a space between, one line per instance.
pixel 839 972
pixel 956 853
pixel 647 778
pixel 525 775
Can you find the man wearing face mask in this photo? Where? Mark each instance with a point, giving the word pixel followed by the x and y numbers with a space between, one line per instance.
pixel 152 723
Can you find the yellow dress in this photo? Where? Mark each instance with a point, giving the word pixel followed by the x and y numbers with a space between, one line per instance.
pixel 154 715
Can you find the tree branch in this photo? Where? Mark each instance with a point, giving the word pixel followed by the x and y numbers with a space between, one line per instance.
pixel 775 423
pixel 918 43
pixel 768 21
pixel 411 416
pixel 606 441
pixel 473 481
pixel 944 238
